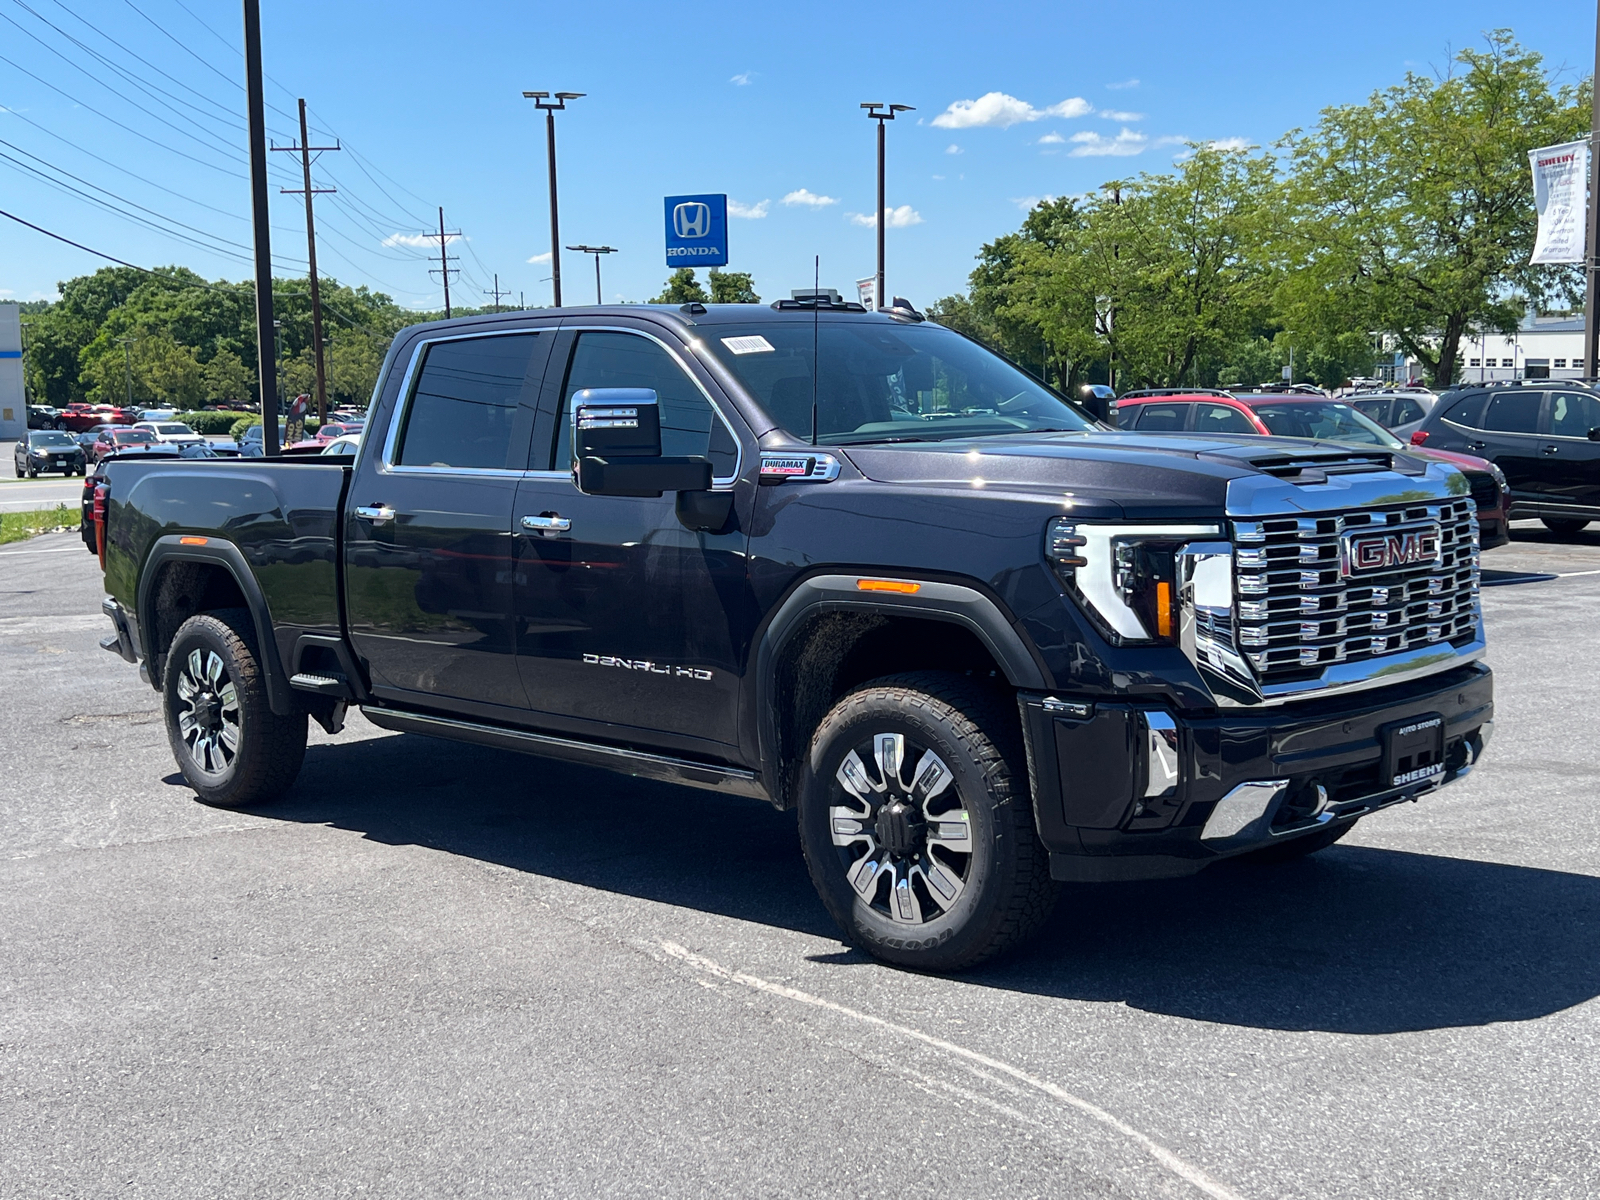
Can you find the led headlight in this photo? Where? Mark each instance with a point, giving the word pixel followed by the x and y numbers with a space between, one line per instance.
pixel 1126 575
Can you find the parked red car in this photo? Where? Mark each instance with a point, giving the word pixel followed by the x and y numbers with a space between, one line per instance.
pixel 76 418
pixel 1263 414
pixel 326 433
pixel 112 440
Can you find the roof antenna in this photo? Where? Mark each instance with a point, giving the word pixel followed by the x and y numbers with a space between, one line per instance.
pixel 816 316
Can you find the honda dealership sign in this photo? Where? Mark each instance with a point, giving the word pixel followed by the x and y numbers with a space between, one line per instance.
pixel 697 231
pixel 1560 181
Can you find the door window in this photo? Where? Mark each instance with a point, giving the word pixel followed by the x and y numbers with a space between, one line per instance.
pixel 1406 410
pixel 1573 414
pixel 464 410
pixel 1162 418
pixel 1513 412
pixel 689 426
pixel 1378 410
pixel 1221 418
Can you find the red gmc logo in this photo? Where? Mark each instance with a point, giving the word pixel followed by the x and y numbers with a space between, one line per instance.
pixel 1386 551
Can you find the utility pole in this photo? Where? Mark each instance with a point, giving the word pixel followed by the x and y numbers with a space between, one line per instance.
pixel 880 117
pixel 597 251
pixel 266 366
pixel 305 149
pixel 541 100
pixel 497 293
pixel 444 270
pixel 1591 265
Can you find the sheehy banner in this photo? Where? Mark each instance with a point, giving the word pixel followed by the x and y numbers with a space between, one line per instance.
pixel 1560 179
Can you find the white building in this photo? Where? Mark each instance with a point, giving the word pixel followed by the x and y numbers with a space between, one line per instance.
pixel 13 406
pixel 1541 348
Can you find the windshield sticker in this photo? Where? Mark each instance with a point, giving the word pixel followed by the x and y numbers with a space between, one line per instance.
pixel 753 344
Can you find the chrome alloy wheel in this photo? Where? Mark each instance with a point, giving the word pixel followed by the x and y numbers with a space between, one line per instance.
pixel 208 711
pixel 907 847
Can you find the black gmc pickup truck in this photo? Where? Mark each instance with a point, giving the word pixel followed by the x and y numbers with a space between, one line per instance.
pixel 845 562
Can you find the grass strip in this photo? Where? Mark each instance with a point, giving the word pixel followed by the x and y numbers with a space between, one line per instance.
pixel 19 526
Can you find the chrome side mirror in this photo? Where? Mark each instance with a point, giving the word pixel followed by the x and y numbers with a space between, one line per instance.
pixel 616 447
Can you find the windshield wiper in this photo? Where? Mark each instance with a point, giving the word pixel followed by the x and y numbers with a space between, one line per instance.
pixel 883 441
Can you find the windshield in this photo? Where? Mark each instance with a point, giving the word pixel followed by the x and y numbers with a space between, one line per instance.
pixel 129 436
pixel 878 384
pixel 175 427
pixel 1329 420
pixel 50 439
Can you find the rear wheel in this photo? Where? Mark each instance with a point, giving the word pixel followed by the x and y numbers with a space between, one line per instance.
pixel 917 826
pixel 232 748
pixel 1565 526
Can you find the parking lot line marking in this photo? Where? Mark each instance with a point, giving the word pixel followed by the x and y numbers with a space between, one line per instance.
pixel 1575 574
pixel 1186 1171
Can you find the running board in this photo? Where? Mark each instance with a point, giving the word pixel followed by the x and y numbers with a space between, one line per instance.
pixel 732 781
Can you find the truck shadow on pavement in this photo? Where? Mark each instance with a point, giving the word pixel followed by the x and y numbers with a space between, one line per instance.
pixel 1354 940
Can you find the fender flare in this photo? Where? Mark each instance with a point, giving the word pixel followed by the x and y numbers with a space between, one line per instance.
pixel 957 604
pixel 216 552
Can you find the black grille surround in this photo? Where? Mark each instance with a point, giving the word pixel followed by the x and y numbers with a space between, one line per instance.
pixel 1301 602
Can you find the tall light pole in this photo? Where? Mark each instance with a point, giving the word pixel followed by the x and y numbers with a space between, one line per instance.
pixel 1591 266
pixel 887 114
pixel 597 251
pixel 543 100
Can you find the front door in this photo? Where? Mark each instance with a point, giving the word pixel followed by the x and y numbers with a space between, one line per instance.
pixel 630 624
pixel 1572 460
pixel 429 548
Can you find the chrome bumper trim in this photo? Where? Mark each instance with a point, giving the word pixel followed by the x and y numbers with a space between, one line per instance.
pixel 1243 807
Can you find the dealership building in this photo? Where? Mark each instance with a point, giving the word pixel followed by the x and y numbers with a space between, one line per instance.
pixel 1541 348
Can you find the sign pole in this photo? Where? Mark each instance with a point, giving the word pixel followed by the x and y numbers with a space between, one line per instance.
pixel 1591 268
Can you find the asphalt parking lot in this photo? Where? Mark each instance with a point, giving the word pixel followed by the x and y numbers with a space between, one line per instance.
pixel 437 970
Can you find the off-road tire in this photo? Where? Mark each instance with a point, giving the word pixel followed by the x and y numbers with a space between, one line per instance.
pixel 268 748
pixel 974 730
pixel 1565 526
pixel 1299 847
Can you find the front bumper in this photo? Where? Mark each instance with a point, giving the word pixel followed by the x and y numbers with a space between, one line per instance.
pixel 1128 792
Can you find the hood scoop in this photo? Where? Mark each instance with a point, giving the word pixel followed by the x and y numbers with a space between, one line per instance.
pixel 1318 466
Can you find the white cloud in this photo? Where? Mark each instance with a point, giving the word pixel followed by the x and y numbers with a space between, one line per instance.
pixel 1000 111
pixel 1112 114
pixel 940 178
pixel 751 212
pixel 743 78
pixel 898 218
pixel 1029 203
pixel 6 292
pixel 952 148
pixel 418 240
pixel 1126 83
pixel 1233 143
pixel 1096 145
pixel 540 258
pixel 808 198
pixel 1051 139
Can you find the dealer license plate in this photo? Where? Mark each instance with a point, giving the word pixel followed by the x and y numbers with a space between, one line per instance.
pixel 1413 750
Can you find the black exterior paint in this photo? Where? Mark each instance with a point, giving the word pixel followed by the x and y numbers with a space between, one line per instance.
pixel 453 609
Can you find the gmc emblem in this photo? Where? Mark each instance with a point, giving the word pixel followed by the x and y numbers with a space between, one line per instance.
pixel 1370 554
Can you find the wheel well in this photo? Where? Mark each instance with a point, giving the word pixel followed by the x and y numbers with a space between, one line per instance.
pixel 181 590
pixel 834 652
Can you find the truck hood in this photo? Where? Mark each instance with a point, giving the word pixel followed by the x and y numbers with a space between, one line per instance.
pixel 1166 474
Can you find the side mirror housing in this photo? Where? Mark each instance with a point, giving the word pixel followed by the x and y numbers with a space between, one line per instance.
pixel 1594 435
pixel 616 447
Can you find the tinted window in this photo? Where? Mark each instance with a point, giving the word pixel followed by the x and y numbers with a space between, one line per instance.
pixel 1220 418
pixel 626 360
pixel 1162 418
pixel 128 437
pixel 1406 410
pixel 465 406
pixel 1378 410
pixel 1467 412
pixel 1573 414
pixel 1512 412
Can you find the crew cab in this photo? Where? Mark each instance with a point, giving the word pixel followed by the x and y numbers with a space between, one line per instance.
pixel 847 563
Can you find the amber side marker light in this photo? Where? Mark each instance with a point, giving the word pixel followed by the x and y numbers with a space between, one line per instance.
pixel 1163 609
pixel 901 586
pixel 192 541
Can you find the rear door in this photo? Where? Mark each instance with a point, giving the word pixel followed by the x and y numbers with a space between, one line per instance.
pixel 1509 437
pixel 629 624
pixel 428 543
pixel 1162 418
pixel 1572 461
pixel 1222 418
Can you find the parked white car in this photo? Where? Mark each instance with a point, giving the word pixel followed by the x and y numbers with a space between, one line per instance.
pixel 174 433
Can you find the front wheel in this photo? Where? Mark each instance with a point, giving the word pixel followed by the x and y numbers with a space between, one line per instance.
pixel 1565 526
pixel 232 748
pixel 916 823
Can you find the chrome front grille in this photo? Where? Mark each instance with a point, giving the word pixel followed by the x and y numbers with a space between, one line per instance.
pixel 1312 591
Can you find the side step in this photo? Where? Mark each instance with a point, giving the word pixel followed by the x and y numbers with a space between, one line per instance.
pixel 732 781
pixel 327 684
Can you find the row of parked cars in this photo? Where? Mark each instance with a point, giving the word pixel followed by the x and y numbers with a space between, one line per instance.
pixel 48 451
pixel 1528 448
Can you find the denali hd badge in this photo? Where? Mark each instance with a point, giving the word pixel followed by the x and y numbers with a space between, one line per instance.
pixel 1374 553
pixel 644 664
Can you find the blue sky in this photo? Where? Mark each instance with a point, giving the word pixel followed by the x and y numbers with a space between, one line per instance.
pixel 1013 101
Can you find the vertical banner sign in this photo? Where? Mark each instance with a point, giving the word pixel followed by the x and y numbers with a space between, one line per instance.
pixel 697 231
pixel 1560 181
pixel 866 290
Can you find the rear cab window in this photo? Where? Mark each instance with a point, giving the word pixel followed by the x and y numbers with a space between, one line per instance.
pixel 1162 418
pixel 473 402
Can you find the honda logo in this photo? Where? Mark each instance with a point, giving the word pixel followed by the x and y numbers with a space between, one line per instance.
pixel 692 220
pixel 1368 554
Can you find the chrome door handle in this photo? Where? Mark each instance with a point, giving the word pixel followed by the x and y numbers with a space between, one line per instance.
pixel 547 524
pixel 1474 446
pixel 1552 449
pixel 376 513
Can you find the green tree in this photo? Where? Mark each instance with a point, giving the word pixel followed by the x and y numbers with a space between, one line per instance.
pixel 1413 213
pixel 682 288
pixel 228 380
pixel 732 287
